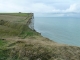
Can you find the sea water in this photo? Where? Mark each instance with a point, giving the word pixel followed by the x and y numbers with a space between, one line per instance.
pixel 65 30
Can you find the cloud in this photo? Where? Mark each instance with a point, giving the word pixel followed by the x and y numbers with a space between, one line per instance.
pixel 9 6
pixel 39 6
pixel 73 8
pixel 42 8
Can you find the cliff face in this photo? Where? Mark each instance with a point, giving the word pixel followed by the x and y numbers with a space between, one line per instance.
pixel 30 22
pixel 28 44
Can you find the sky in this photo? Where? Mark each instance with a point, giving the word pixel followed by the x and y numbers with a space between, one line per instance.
pixel 40 6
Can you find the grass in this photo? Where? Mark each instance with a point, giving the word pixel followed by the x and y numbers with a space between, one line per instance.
pixel 26 49
pixel 2 42
pixel 19 42
pixel 16 14
pixel 15 27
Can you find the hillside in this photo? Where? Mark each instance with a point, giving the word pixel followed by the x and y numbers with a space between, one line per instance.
pixel 19 42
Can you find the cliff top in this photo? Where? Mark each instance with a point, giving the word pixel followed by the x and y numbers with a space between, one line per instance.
pixel 16 17
pixel 15 24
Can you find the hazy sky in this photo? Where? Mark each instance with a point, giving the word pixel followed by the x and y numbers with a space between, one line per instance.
pixel 40 6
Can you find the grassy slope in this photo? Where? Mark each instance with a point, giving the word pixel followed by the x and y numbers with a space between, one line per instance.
pixel 19 42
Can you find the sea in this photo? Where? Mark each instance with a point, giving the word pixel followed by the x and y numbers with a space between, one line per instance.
pixel 61 29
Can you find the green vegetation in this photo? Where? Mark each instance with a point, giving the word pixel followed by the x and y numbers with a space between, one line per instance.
pixel 2 42
pixel 16 14
pixel 16 27
pixel 19 42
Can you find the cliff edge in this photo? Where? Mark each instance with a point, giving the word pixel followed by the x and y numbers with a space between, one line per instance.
pixel 19 41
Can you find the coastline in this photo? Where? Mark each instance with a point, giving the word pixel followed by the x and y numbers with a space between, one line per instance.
pixel 30 45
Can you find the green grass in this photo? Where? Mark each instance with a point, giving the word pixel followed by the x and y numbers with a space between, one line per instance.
pixel 3 50
pixel 17 28
pixel 2 42
pixel 16 14
pixel 4 54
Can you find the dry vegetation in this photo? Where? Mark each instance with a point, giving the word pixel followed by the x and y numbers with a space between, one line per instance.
pixel 19 42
